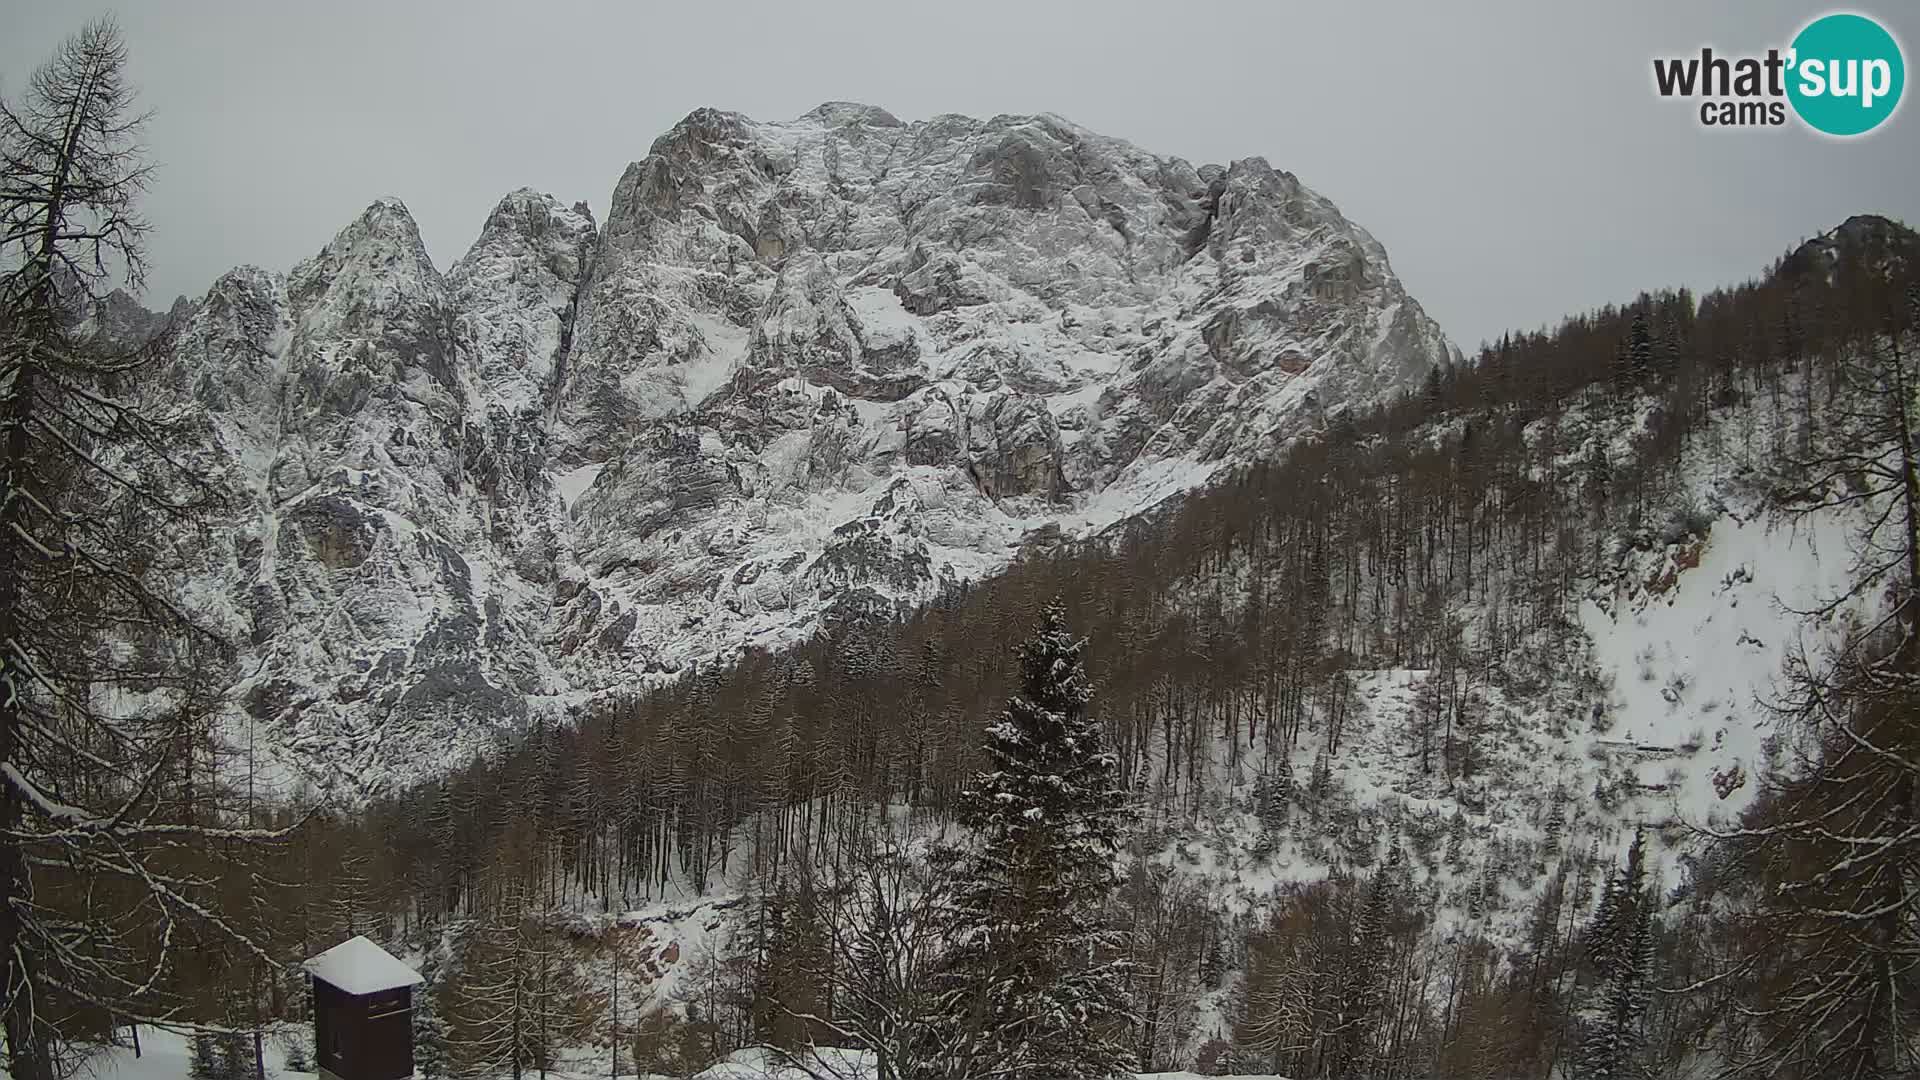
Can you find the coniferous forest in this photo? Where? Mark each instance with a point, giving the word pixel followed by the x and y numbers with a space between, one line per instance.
pixel 986 838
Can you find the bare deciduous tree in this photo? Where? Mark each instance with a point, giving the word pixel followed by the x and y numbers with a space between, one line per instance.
pixel 1834 849
pixel 100 866
pixel 880 968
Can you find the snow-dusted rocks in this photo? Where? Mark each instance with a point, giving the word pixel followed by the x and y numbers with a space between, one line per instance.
pixel 363 565
pixel 831 363
pixel 513 299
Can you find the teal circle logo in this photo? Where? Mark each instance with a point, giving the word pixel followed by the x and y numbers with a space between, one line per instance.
pixel 1846 74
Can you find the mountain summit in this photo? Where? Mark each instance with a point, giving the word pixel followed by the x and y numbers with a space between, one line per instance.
pixel 833 364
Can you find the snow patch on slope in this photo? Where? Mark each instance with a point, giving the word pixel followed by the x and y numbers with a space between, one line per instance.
pixel 574 483
pixel 1694 638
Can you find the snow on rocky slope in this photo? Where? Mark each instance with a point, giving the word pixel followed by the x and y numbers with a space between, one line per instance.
pixel 1652 712
pixel 804 367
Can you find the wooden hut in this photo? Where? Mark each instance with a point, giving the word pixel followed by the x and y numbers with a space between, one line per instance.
pixel 362 1012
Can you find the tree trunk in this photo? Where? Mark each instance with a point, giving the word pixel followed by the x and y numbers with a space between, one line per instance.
pixel 26 1053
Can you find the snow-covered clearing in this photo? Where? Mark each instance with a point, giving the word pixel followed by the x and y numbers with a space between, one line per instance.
pixel 167 1054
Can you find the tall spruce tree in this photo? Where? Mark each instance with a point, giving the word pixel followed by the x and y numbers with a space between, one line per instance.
pixel 1640 357
pixel 430 1037
pixel 1614 1043
pixel 1364 982
pixel 1613 917
pixel 1620 943
pixel 1032 986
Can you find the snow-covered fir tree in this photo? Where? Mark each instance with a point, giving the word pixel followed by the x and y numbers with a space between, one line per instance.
pixel 431 1059
pixel 204 1061
pixel 224 1055
pixel 1613 1045
pixel 1620 943
pixel 1273 792
pixel 1622 901
pixel 1364 982
pixel 295 1057
pixel 1032 985
pixel 236 1057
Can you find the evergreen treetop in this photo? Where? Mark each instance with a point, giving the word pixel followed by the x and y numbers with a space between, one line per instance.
pixel 1032 981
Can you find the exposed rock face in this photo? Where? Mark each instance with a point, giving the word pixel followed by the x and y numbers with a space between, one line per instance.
pixel 821 365
pixel 513 298
pixel 378 568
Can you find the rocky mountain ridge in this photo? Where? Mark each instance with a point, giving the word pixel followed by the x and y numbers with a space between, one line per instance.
pixel 827 365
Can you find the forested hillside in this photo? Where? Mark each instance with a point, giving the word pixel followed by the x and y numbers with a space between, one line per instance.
pixel 1394 817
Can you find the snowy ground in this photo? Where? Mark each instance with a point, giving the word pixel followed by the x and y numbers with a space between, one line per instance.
pixel 1694 653
pixel 165 1055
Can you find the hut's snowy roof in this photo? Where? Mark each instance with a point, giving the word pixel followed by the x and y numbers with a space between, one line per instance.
pixel 358 966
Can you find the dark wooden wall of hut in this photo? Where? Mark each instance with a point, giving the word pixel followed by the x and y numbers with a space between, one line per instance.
pixel 363 1037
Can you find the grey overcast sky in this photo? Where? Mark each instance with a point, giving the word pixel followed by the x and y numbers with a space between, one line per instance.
pixel 1512 157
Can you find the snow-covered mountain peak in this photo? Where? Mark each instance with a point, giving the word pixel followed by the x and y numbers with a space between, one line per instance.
pixel 380 253
pixel 1876 240
pixel 849 113
pixel 527 216
pixel 514 293
pixel 833 363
